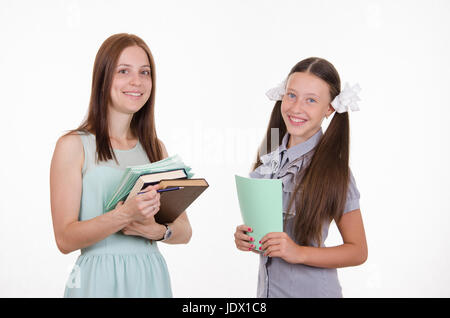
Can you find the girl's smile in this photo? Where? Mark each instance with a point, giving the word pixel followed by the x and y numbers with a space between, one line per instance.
pixel 297 120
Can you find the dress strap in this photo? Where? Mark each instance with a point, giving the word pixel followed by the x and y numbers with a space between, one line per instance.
pixel 90 148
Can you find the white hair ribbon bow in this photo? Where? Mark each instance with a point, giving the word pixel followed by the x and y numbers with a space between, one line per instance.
pixel 347 99
pixel 277 92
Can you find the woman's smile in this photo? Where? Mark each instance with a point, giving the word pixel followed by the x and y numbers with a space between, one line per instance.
pixel 135 95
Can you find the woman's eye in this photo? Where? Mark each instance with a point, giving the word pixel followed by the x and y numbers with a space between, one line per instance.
pixel 146 72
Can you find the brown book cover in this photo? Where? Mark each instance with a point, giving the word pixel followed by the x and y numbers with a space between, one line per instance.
pixel 175 202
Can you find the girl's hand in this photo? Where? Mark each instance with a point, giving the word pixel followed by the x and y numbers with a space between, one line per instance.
pixel 143 206
pixel 242 240
pixel 279 244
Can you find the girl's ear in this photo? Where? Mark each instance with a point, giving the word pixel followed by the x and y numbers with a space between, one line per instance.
pixel 330 111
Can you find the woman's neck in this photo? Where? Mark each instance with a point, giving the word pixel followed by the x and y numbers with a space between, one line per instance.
pixel 119 126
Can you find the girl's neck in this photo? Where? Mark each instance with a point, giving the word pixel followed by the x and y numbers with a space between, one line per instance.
pixel 296 140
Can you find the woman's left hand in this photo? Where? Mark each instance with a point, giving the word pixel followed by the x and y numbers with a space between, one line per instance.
pixel 148 229
pixel 279 244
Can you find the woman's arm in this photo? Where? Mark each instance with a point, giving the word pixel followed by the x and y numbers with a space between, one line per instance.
pixel 181 230
pixel 352 252
pixel 65 196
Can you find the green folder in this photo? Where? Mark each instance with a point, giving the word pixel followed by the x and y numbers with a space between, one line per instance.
pixel 261 206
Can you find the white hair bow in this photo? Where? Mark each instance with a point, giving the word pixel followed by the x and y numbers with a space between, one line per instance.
pixel 346 100
pixel 277 92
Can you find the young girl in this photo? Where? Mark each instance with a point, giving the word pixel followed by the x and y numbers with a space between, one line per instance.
pixel 318 186
pixel 119 256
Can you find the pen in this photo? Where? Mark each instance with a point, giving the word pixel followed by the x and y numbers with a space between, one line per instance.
pixel 164 190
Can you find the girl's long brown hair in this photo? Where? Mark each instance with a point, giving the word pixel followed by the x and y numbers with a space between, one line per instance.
pixel 321 193
pixel 143 122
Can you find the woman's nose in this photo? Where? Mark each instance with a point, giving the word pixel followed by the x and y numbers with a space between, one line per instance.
pixel 135 80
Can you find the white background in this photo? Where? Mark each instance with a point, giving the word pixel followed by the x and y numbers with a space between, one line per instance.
pixel 214 62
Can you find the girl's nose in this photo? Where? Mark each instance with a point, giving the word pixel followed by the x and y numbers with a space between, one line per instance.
pixel 298 106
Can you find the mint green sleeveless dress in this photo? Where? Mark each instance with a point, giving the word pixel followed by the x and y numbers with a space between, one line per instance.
pixel 120 265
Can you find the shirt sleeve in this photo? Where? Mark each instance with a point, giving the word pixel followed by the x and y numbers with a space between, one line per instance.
pixel 353 195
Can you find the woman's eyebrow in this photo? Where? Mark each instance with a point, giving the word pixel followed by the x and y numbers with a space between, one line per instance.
pixel 128 65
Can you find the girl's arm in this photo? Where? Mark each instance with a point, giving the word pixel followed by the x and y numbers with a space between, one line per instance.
pixel 65 196
pixel 352 252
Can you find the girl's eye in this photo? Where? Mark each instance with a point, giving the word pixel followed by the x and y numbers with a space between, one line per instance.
pixel 290 95
pixel 146 72
pixel 123 71
pixel 311 99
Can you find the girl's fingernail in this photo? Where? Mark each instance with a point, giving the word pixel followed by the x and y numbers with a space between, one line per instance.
pixel 249 229
pixel 252 239
pixel 249 248
pixel 259 242
pixel 260 248
pixel 252 246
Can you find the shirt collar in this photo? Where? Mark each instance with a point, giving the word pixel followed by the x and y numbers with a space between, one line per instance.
pixel 302 148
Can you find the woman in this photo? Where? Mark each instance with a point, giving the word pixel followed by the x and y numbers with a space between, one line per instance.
pixel 119 256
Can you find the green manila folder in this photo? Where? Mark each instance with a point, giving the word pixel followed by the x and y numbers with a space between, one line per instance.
pixel 261 204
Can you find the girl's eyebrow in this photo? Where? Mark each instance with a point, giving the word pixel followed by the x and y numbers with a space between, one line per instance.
pixel 291 89
pixel 288 88
pixel 128 65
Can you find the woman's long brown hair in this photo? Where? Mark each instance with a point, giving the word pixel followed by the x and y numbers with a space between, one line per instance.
pixel 143 122
pixel 321 193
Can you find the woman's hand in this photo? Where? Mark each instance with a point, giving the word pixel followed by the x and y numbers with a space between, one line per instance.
pixel 242 240
pixel 142 207
pixel 148 229
pixel 279 244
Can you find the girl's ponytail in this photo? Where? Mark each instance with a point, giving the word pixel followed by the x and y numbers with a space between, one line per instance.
pixel 321 194
pixel 276 122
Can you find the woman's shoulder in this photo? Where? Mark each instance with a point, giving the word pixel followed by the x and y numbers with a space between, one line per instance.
pixel 69 148
pixel 70 141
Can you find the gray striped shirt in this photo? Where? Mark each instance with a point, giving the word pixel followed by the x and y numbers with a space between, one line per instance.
pixel 276 277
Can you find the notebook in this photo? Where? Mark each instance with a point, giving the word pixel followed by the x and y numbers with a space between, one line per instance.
pixel 261 205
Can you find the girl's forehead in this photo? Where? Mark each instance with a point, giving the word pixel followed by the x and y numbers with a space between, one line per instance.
pixel 307 83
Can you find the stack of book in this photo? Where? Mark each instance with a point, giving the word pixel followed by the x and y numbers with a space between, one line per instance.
pixel 177 188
